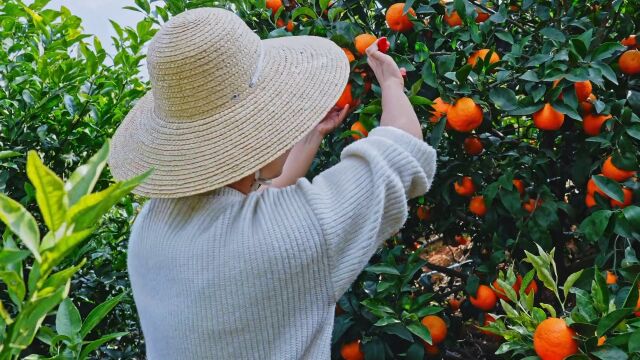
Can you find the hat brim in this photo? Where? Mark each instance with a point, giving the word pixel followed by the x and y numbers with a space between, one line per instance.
pixel 301 80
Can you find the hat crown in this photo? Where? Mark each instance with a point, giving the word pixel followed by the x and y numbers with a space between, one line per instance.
pixel 200 62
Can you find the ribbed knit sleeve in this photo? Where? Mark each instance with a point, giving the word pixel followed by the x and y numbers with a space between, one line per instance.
pixel 362 200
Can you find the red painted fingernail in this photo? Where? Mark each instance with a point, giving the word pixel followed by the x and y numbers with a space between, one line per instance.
pixel 383 44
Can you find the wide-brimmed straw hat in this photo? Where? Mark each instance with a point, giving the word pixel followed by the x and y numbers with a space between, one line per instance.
pixel 223 103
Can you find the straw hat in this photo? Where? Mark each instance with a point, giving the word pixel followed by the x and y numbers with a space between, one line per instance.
pixel 223 103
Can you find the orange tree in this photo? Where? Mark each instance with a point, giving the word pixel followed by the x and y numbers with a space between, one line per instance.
pixel 534 109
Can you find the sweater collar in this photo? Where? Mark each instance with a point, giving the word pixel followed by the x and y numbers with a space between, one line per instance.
pixel 230 192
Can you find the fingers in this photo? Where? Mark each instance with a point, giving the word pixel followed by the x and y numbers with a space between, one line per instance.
pixel 343 113
pixel 373 48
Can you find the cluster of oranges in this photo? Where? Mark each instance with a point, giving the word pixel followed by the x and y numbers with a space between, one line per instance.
pixel 609 170
pixel 274 6
pixel 477 206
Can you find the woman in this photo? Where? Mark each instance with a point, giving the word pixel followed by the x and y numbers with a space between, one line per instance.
pixel 218 270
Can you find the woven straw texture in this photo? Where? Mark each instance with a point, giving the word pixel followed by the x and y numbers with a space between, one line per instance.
pixel 223 103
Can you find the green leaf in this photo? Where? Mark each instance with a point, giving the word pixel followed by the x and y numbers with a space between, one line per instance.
pixel 632 214
pixel 6 154
pixel 53 255
pixel 50 192
pixel 420 330
pixel 610 187
pixel 415 352
pixel 429 310
pixel 382 269
pixel 98 313
pixel 11 256
pixel 611 320
pixel 84 178
pixel 95 344
pixel 90 208
pixel 634 341
pixel 609 353
pixel 21 223
pixel 14 284
pixel 606 50
pixel 568 284
pixel 324 4
pixel 68 320
pixel 386 321
pixel 553 34
pixel 595 225
pixel 503 98
pixel 303 11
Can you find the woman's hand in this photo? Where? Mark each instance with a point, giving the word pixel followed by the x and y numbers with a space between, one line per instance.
pixel 334 117
pixel 384 67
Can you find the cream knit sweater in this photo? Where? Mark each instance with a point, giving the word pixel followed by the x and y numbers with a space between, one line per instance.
pixel 234 276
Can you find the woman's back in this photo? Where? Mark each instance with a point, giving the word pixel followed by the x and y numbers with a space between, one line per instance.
pixel 234 276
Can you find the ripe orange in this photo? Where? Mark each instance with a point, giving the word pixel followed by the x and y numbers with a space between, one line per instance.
pixel 485 298
pixel 349 54
pixel 593 188
pixel 346 98
pixel 473 146
pixel 587 105
pixel 430 350
pixel 532 205
pixel 592 123
pixel 440 108
pixel 357 126
pixel 482 54
pixel 352 351
pixel 363 41
pixel 453 19
pixel 500 291
pixel 466 187
pixel 533 286
pixel 454 304
pixel 630 41
pixel 628 199
pixel 614 173
pixel 590 200
pixel 478 206
pixel 637 308
pixel 630 62
pixel 548 118
pixel 612 279
pixel 463 239
pixel 396 20
pixel 553 340
pixel 274 5
pixel 488 319
pixel 602 340
pixel 437 327
pixel 583 89
pixel 519 185
pixel 482 16
pixel 424 213
pixel 464 115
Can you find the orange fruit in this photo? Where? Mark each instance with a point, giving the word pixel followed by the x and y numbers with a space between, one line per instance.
pixel 593 188
pixel 630 41
pixel 352 351
pixel 482 16
pixel 533 286
pixel 464 115
pixel 482 54
pixel 396 20
pixel 463 239
pixel 630 62
pixel 587 105
pixel 548 118
pixel 628 199
pixel 478 206
pixel 473 145
pixel 453 19
pixel 440 108
pixel 363 41
pixel 464 188
pixel 601 340
pixel 500 291
pixel 290 26
pixel 424 213
pixel 346 98
pixel 485 298
pixel 274 5
pixel 349 54
pixel 454 304
pixel 592 123
pixel 553 340
pixel 612 279
pixel 637 309
pixel 583 89
pixel 519 185
pixel 357 126
pixel 590 200
pixel 437 327
pixel 430 350
pixel 614 173
pixel 532 205
pixel 488 319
